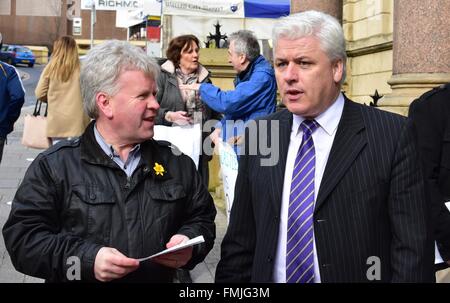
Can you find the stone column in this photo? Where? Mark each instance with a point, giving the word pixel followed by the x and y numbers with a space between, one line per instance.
pixel 332 7
pixel 421 51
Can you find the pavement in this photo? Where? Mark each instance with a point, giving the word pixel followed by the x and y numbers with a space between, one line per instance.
pixel 16 159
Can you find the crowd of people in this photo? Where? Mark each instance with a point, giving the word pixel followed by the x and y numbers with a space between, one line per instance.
pixel 352 184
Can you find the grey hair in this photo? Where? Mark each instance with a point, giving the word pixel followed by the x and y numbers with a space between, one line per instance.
pixel 322 26
pixel 245 42
pixel 103 65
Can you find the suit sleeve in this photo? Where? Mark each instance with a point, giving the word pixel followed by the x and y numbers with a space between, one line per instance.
pixel 238 245
pixel 430 127
pixel 409 212
pixel 32 232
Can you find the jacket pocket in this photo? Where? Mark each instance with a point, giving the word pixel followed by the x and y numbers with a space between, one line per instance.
pixel 91 211
pixel 167 192
pixel 169 206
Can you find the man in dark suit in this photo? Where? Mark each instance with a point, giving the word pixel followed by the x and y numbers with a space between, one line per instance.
pixel 431 113
pixel 345 202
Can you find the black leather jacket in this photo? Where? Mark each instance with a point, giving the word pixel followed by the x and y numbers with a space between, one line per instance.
pixel 74 200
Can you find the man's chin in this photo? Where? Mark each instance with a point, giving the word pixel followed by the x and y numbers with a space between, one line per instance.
pixel 149 134
pixel 145 136
pixel 294 107
pixel 299 110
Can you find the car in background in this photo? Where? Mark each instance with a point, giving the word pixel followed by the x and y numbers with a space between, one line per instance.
pixel 17 54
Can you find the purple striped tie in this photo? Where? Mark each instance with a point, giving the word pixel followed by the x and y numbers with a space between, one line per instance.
pixel 299 248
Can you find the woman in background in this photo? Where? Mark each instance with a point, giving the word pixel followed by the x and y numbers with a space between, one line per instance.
pixel 59 86
pixel 183 67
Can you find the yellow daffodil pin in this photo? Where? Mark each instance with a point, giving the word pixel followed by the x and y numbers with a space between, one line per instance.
pixel 159 169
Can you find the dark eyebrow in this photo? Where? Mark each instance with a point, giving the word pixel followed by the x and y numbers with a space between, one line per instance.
pixel 280 60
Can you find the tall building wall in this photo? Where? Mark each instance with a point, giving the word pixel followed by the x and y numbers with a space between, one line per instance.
pixel 368 28
pixel 40 22
pixel 32 22
pixel 106 29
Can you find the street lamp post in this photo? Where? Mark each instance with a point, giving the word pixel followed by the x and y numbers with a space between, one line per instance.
pixel 93 17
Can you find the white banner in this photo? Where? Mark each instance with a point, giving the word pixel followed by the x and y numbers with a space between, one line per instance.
pixel 209 8
pixel 188 138
pixel 229 170
pixel 113 5
pixel 201 27
pixel 127 18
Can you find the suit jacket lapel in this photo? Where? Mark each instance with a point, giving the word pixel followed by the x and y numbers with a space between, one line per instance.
pixel 277 175
pixel 348 143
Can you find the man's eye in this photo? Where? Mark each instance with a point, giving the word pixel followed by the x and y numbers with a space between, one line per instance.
pixel 280 64
pixel 305 63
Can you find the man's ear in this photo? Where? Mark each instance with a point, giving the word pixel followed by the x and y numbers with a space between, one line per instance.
pixel 104 104
pixel 338 70
pixel 242 59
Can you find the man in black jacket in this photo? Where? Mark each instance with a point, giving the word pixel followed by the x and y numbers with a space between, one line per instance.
pixel 431 114
pixel 89 208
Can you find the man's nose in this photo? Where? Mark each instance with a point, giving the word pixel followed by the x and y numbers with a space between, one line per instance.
pixel 290 73
pixel 152 103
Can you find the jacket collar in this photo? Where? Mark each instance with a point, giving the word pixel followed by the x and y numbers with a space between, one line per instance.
pixel 151 153
pixel 169 67
pixel 245 74
pixel 350 140
pixel 276 176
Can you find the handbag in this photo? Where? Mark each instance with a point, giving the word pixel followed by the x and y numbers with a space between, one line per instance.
pixel 35 129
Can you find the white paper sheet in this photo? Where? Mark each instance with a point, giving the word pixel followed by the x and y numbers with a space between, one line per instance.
pixel 191 242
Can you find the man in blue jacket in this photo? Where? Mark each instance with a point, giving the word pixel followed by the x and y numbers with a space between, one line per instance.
pixel 255 88
pixel 12 97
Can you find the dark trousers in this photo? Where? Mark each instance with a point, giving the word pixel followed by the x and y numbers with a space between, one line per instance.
pixel 2 143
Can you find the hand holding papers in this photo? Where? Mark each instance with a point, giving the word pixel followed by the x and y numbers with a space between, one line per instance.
pixel 182 245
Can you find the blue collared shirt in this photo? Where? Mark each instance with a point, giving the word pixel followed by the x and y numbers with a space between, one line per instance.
pixel 129 166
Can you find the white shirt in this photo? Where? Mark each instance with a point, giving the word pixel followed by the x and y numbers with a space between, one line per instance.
pixel 323 138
